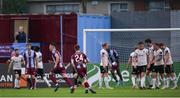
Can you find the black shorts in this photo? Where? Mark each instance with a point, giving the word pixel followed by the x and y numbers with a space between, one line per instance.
pixel 40 72
pixel 104 70
pixel 17 71
pixel 151 68
pixel 141 69
pixel 158 69
pixel 169 69
pixel 134 70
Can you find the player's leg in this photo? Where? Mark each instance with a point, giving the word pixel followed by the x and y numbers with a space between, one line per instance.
pixel 43 77
pixel 101 76
pixel 28 77
pixel 16 80
pixel 133 77
pixel 173 76
pixel 106 78
pixel 119 74
pixel 114 76
pixel 143 76
pixel 68 81
pixel 154 80
pixel 149 76
pixel 161 72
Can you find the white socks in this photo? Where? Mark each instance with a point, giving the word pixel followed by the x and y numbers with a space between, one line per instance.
pixel 16 83
pixel 100 82
pixel 133 78
pixel 154 82
pixel 106 82
pixel 143 81
pixel 174 81
pixel 46 81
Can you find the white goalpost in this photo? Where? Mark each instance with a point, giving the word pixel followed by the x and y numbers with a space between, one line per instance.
pixel 122 30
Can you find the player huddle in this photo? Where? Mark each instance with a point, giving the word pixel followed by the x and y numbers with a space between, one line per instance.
pixel 32 59
pixel 153 64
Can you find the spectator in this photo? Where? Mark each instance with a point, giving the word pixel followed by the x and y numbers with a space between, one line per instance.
pixel 21 36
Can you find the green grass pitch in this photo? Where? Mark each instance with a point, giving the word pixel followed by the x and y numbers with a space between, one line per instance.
pixel 65 92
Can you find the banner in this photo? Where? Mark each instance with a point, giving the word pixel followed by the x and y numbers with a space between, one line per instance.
pixel 6 49
pixel 7 79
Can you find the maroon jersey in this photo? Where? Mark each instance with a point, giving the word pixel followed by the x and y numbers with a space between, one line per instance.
pixel 54 53
pixel 79 59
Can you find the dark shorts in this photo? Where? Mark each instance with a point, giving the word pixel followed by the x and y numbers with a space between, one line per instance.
pixel 40 72
pixel 30 71
pixel 141 69
pixel 82 72
pixel 17 71
pixel 134 70
pixel 58 70
pixel 104 70
pixel 114 67
pixel 169 69
pixel 158 69
pixel 150 68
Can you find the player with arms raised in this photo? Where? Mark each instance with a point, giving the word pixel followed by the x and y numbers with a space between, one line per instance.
pixel 58 68
pixel 79 61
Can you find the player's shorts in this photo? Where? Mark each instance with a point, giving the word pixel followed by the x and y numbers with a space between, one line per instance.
pixel 141 69
pixel 104 70
pixel 114 67
pixel 58 70
pixel 169 69
pixel 158 69
pixel 82 72
pixel 31 71
pixel 150 68
pixel 40 72
pixel 134 70
pixel 17 71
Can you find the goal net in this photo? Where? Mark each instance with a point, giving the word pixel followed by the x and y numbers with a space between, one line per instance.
pixel 124 40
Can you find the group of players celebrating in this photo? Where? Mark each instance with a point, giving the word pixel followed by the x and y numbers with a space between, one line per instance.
pixel 32 59
pixel 153 63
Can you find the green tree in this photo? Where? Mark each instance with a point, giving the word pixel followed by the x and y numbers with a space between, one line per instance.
pixel 14 6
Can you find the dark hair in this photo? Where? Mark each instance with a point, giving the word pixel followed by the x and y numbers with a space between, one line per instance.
pixel 53 43
pixel 140 43
pixel 148 41
pixel 157 44
pixel 104 44
pixel 161 44
pixel 16 49
pixel 76 47
pixel 36 48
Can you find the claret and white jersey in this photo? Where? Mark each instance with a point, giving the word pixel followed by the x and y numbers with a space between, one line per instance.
pixel 104 57
pixel 17 62
pixel 142 56
pixel 133 55
pixel 39 60
pixel 158 57
pixel 167 51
